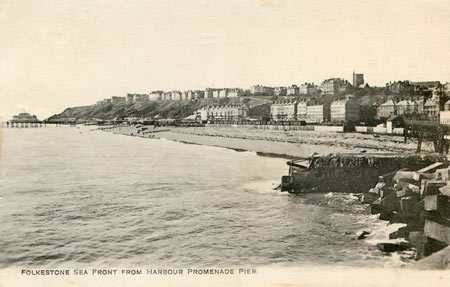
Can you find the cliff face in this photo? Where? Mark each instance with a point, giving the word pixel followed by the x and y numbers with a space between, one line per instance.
pixel 164 109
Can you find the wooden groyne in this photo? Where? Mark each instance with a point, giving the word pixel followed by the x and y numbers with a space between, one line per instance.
pixel 347 172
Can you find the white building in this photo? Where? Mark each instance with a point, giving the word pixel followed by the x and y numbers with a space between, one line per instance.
pixel 444 118
pixel 346 110
pixel 137 98
pixel 234 93
pixel 130 98
pixel 284 110
pixel 387 109
pixel 302 108
pixel 156 96
pixel 316 114
pixel 280 91
pixel 184 95
pixel 406 107
pixel 259 89
pixel 225 113
pixel 223 93
pixel 306 89
pixel 176 96
pixel 167 96
pixel 292 90
pixel 209 93
pixel 334 85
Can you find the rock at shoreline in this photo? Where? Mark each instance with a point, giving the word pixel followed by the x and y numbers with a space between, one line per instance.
pixel 406 176
pixel 402 232
pixel 369 197
pixel 363 235
pixel 393 247
pixel 431 187
pixel 443 174
pixel 421 200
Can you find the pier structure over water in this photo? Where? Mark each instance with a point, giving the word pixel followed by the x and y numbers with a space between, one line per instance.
pixel 23 120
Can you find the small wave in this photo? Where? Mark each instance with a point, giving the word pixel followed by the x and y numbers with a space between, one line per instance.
pixel 43 258
pixel 263 186
pixel 174 215
pixel 400 259
pixel 75 217
pixel 380 234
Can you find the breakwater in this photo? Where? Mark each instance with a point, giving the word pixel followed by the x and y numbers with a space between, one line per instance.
pixel 420 199
pixel 347 172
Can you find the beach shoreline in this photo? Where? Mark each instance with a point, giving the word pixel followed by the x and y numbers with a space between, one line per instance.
pixel 282 144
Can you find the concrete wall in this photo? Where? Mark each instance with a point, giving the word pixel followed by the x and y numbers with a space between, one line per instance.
pixel 362 129
pixel 379 130
pixel 266 127
pixel 398 131
pixel 338 129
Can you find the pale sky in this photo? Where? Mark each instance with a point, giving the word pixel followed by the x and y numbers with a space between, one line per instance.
pixel 60 53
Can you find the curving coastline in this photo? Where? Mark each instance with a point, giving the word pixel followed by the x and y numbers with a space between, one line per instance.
pixel 283 144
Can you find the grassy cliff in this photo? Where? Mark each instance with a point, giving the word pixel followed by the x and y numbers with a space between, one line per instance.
pixel 367 97
pixel 164 109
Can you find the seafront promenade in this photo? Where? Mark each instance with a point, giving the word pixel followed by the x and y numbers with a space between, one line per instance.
pixel 285 144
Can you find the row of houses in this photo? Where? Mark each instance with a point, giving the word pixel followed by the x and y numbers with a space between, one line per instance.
pixel 430 102
pixel 174 96
pixel 334 85
pixel 154 96
pixel 330 86
pixel 308 110
pixel 257 90
pixel 225 112
pixel 223 93
pixel 430 88
pixel 430 107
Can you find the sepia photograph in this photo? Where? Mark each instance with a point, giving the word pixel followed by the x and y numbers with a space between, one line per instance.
pixel 225 143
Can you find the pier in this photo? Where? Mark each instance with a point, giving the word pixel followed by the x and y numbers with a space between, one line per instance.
pixel 25 124
pixel 23 120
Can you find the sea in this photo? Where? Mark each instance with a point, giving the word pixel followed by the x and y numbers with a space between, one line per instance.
pixel 78 196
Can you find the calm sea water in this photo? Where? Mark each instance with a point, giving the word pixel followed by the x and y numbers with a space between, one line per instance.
pixel 75 197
